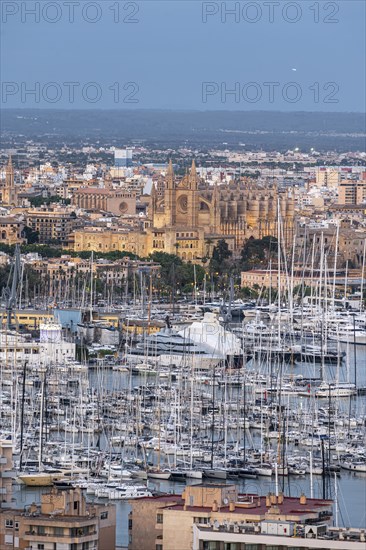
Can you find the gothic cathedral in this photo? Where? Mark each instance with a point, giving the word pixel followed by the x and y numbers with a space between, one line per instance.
pixel 190 216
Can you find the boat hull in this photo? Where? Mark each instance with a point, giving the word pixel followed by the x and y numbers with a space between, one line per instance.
pixel 215 474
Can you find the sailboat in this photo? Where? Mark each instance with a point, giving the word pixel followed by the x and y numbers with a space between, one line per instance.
pixel 92 329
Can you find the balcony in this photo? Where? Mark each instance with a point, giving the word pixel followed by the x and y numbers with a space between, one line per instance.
pixel 32 536
pixel 159 540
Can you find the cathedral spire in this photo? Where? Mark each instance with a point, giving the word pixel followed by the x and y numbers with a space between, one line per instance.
pixel 170 169
pixel 108 181
pixel 9 173
pixel 193 176
pixel 170 175
pixel 9 192
pixel 193 169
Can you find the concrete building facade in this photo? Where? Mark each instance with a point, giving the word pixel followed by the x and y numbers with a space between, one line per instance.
pixel 52 224
pixel 63 521
pixel 169 522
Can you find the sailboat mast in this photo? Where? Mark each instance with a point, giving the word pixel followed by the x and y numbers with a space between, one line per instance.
pixel 335 267
pixel 363 274
pixel 213 417
pixel 22 418
pixel 279 268
pixel 40 451
pixel 91 286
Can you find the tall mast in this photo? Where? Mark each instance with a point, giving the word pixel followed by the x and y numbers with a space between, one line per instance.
pixel 279 268
pixel 335 267
pixel 91 286
pixel 363 274
pixel 11 294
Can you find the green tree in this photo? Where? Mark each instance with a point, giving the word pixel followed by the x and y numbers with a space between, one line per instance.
pixel 220 257
pixel 257 252
pixel 31 236
pixel 176 273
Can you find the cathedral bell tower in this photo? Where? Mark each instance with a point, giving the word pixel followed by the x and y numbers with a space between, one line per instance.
pixel 9 193
pixel 170 196
pixel 192 198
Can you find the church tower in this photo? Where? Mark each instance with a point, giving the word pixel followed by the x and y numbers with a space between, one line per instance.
pixel 108 182
pixel 170 196
pixel 9 193
pixel 215 211
pixel 192 196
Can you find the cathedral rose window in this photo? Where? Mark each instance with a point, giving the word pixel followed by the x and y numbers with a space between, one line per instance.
pixel 183 204
pixel 123 207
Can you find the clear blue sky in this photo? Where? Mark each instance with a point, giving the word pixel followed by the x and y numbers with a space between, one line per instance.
pixel 170 52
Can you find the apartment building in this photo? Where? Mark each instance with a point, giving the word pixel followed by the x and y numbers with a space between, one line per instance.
pixel 352 192
pixel 199 518
pixel 63 521
pixel 52 224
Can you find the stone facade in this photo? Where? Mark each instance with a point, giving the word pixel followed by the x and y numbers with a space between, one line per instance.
pixel 7 190
pixel 188 217
pixel 11 229
pixel 105 199
pixel 101 239
pixel 53 224
pixel 191 215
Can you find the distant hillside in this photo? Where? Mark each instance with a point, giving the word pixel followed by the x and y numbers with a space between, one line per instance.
pixel 265 130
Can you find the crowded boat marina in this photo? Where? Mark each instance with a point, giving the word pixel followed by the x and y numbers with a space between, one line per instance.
pixel 252 394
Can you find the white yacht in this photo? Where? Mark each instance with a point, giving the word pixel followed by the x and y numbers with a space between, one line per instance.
pixel 335 390
pixel 348 333
pixel 128 492
pixel 168 347
pixel 216 338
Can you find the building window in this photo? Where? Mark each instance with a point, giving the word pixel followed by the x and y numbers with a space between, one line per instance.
pixel 159 518
pixel 104 515
pixel 9 523
pixel 159 547
pixel 40 546
pixel 201 520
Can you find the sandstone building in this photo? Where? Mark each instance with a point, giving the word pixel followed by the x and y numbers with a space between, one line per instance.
pixel 53 224
pixel 190 216
pixel 352 192
pixel 187 217
pixel 118 202
pixel 11 229
pixel 8 191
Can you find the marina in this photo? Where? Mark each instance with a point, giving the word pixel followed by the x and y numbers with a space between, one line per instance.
pixel 253 402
